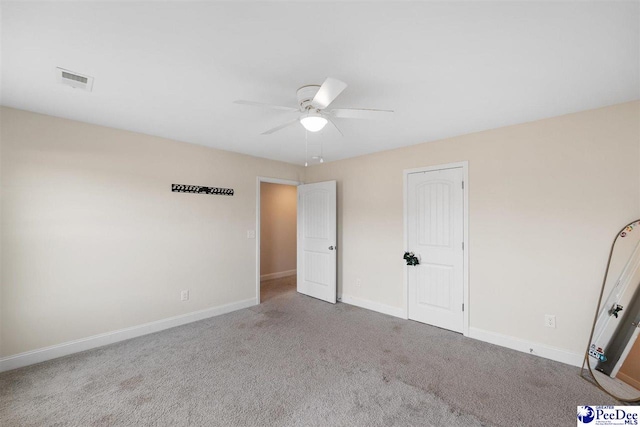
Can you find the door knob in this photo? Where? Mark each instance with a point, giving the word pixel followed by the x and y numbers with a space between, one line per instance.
pixel 331 248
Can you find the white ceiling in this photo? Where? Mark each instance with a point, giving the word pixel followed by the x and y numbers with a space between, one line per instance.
pixel 173 69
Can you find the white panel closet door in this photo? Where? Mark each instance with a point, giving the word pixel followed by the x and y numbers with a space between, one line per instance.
pixel 435 234
pixel 317 240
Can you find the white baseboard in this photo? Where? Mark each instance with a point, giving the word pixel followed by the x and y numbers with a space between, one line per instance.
pixel 529 347
pixel 278 275
pixel 64 349
pixel 372 305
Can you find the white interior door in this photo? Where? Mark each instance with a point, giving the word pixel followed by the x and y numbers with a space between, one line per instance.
pixel 317 240
pixel 435 221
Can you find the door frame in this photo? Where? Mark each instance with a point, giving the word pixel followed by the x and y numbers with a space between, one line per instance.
pixel 465 231
pixel 259 180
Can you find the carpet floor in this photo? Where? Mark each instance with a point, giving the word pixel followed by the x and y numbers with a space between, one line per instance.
pixel 297 361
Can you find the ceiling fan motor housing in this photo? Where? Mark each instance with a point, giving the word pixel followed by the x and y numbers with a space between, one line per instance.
pixel 305 95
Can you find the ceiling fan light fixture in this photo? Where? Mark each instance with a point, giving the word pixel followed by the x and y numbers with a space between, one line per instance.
pixel 313 122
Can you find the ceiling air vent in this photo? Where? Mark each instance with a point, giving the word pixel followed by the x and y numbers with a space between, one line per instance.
pixel 75 80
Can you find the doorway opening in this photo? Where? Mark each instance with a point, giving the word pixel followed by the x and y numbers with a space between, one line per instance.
pixel 276 256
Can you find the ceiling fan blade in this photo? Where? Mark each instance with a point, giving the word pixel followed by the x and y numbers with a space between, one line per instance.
pixel 360 113
pixel 277 128
pixel 329 91
pixel 265 105
pixel 335 126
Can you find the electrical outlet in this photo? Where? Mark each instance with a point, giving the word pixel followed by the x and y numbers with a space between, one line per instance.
pixel 251 234
pixel 358 283
pixel 184 295
pixel 549 320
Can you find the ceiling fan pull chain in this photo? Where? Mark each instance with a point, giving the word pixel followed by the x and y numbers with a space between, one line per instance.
pixel 306 148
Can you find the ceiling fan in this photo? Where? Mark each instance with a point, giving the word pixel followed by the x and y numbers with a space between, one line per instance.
pixel 313 101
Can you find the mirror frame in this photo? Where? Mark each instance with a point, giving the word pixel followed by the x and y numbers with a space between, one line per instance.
pixel 587 361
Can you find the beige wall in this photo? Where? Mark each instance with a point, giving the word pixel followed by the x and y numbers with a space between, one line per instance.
pixel 278 216
pixel 94 240
pixel 546 199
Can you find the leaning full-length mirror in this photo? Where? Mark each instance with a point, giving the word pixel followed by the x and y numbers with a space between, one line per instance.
pixel 613 356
